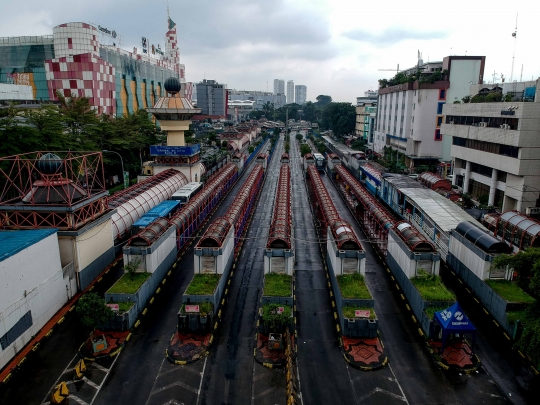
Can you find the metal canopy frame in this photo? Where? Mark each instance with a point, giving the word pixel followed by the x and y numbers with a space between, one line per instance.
pixel 341 230
pixel 279 235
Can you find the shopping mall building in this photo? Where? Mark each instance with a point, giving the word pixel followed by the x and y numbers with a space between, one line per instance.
pixel 84 60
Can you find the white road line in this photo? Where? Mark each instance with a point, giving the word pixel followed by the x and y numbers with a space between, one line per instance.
pixel 399 385
pixel 46 399
pixel 175 384
pixel 100 367
pixel 155 380
pixel 77 399
pixel 105 378
pixel 202 377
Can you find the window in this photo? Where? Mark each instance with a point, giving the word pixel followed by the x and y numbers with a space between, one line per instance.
pixel 439 121
pixel 17 330
pixel 440 107
pixel 438 136
pixel 442 94
pixel 501 176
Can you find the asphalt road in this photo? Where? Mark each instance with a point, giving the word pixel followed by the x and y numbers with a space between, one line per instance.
pixel 142 375
pixel 231 369
pixel 325 376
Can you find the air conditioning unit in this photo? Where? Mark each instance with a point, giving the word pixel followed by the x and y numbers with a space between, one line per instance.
pixel 532 210
pixel 483 124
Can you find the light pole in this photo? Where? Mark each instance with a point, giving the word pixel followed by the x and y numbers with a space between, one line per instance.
pixel 121 161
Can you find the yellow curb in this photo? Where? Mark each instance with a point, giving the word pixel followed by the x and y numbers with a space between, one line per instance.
pixel 60 321
pixel 145 311
pixel 101 278
pixel 35 347
pixel 152 300
pixel 49 333
pixel 21 362
pixel 137 323
pixel 128 337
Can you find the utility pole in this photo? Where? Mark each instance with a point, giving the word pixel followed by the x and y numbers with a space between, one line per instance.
pixel 514 34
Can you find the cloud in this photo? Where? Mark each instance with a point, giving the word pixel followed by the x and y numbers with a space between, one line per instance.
pixel 392 36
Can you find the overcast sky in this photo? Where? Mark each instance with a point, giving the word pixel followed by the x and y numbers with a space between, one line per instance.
pixel 334 47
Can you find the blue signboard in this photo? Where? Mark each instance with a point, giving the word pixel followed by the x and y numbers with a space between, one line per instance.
pixel 158 150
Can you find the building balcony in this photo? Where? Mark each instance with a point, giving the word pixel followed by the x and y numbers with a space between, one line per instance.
pixel 517 167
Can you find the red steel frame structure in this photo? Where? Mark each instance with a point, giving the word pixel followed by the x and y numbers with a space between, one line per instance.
pixel 236 214
pixel 518 230
pixel 373 216
pixel 327 214
pixel 75 171
pixel 279 235
pixel 187 218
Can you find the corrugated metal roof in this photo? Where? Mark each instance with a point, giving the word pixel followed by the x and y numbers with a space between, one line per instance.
pixel 12 242
pixel 446 214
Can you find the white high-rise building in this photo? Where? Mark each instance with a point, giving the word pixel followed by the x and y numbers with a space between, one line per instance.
pixel 409 115
pixel 300 92
pixel 279 86
pixel 290 92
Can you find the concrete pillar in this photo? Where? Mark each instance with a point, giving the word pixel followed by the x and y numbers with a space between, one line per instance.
pixel 467 177
pixel 493 187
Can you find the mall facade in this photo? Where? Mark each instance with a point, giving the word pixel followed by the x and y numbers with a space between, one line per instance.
pixel 83 60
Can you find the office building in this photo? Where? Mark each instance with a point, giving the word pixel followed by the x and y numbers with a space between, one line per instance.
pixel 409 113
pixel 300 92
pixel 279 86
pixel 259 98
pixel 83 60
pixel 212 98
pixel 369 95
pixel 496 148
pixel 290 92
pixel 366 118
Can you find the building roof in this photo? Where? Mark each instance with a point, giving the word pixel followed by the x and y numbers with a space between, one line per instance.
pixel 445 213
pixel 12 242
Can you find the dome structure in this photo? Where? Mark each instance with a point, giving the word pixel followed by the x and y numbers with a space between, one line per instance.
pixel 50 163
pixel 172 85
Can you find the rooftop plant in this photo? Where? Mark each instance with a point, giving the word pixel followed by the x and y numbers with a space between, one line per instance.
pixel 129 283
pixel 510 291
pixel 277 285
pixel 273 319
pixel 431 288
pixel 203 284
pixel 353 286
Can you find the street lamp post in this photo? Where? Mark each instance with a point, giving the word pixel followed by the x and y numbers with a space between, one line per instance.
pixel 121 161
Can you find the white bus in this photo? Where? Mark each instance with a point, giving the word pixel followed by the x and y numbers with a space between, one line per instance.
pixel 186 192
pixel 320 161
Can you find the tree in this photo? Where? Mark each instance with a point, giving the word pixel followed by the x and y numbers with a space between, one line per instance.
pixel 527 266
pixel 340 118
pixel 132 267
pixel 92 310
pixel 323 101
pixel 304 149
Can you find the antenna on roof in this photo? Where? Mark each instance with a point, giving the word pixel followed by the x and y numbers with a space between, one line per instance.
pixel 514 34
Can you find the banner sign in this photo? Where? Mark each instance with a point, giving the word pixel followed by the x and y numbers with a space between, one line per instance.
pixel 158 150
pixel 192 308
pixel 361 313
pixel 114 307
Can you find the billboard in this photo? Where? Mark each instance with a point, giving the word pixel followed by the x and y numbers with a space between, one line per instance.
pixel 158 150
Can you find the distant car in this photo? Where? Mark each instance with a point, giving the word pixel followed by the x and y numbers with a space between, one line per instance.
pixel 413 176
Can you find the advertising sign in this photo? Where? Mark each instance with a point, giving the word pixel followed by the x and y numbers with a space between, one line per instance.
pixel 192 308
pixel 144 45
pixel 359 313
pixel 114 307
pixel 107 31
pixel 159 150
pixel 126 179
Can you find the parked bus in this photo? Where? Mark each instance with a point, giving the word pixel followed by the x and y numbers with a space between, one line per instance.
pixel 187 192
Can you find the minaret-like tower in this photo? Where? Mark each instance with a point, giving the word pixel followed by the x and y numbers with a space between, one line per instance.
pixel 174 113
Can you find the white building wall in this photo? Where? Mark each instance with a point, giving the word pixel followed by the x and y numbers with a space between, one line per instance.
pixel 15 92
pixel 472 261
pixel 462 74
pixel 424 123
pixel 31 281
